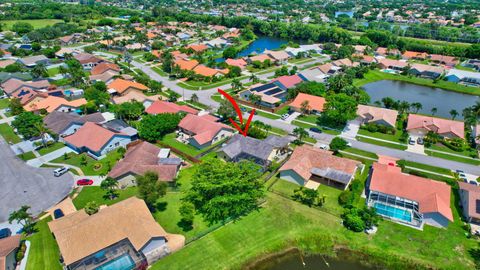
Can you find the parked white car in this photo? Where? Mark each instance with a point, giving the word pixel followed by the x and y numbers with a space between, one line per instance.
pixel 60 171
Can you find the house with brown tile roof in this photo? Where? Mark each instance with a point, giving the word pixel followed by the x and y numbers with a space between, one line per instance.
pixel 87 60
pixel 392 64
pixel 53 103
pixel 27 95
pixel 12 85
pixel 124 231
pixel 345 62
pixel 202 132
pixel 123 87
pixel 104 67
pixel 96 141
pixel 314 103
pixel 65 124
pixel 8 252
pixel 308 163
pixel 186 64
pixel 470 201
pixel 106 77
pixel 147 101
pixel 260 57
pixel 7 62
pixel 408 199
pixel 279 57
pixel 376 115
pixel 421 125
pixel 443 59
pixel 145 157
pixel 160 106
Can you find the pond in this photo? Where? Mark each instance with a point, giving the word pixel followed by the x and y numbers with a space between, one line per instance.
pixel 258 46
pixel 429 97
pixel 293 261
pixel 348 13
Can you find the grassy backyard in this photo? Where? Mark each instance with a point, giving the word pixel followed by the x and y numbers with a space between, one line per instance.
pixel 170 139
pixel 8 134
pixel 53 71
pixel 44 252
pixel 376 75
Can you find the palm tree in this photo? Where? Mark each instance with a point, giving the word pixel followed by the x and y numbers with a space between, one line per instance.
pixel 254 78
pixel 127 57
pixel 267 128
pixel 38 71
pixel 300 133
pixel 110 185
pixel 416 106
pixel 43 131
pixel 255 99
pixel 453 113
pixel 194 98
pixel 434 110
pixel 63 70
pixel 305 107
pixel 236 85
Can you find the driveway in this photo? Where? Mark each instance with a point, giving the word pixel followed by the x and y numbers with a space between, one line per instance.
pixel 24 185
pixel 22 147
pixel 292 117
pixel 97 180
pixel 415 148
pixel 351 129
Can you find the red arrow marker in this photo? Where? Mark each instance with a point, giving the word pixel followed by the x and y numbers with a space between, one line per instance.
pixel 239 113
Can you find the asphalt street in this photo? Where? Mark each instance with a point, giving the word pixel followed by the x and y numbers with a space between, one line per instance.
pixel 21 184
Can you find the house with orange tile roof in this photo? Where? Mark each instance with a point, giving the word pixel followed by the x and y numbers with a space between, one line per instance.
pixel 209 72
pixel 397 65
pixel 313 104
pixel 377 115
pixel 198 48
pixel 469 200
pixel 241 63
pixel 96 140
pixel 202 132
pixel 160 106
pixel 8 251
pixel 260 57
pixel 186 64
pixel 53 103
pixel 408 199
pixel 414 55
pixel 450 61
pixel 123 87
pixel 27 95
pixel 420 125
pixel 104 67
pixel 308 163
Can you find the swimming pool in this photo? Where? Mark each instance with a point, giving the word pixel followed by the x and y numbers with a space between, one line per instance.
pixel 393 212
pixel 124 262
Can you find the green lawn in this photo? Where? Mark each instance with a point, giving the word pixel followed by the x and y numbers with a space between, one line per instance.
pixel 7 133
pixel 198 85
pixel 389 137
pixel 308 118
pixel 453 158
pixel 427 167
pixel 465 68
pixel 443 148
pixel 323 129
pixel 4 103
pixel 89 194
pixel 160 71
pixel 53 71
pixel 44 252
pixel 170 139
pixel 35 23
pixel 376 75
pixel 282 223
pixel 50 148
pixel 382 143
pixel 27 156
pixel 361 152
pixel 103 166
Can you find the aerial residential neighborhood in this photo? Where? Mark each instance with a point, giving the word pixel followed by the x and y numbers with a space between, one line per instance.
pixel 239 135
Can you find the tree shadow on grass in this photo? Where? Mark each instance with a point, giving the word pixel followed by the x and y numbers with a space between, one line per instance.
pixel 161 206
pixel 185 225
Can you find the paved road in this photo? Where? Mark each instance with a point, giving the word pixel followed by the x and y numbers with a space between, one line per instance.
pixel 21 184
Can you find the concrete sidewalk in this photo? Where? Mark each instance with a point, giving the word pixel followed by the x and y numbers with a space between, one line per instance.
pixel 39 161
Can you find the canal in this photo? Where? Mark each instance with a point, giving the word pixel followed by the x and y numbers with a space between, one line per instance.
pixel 429 97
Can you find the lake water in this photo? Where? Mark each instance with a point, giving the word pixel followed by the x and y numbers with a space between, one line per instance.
pixel 258 46
pixel 315 262
pixel 429 97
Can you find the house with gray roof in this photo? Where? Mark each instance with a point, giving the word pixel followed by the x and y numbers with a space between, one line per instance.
pixel 65 124
pixel 262 152
pixel 463 77
pixel 32 61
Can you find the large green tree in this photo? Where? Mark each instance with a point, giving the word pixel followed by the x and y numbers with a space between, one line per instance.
pixel 154 127
pixel 26 124
pixel 222 190
pixel 340 108
pixel 150 189
pixel 129 110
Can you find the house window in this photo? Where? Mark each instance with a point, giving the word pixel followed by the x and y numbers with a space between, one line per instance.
pixel 117 144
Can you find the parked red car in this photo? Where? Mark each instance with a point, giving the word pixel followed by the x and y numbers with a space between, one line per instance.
pixel 84 182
